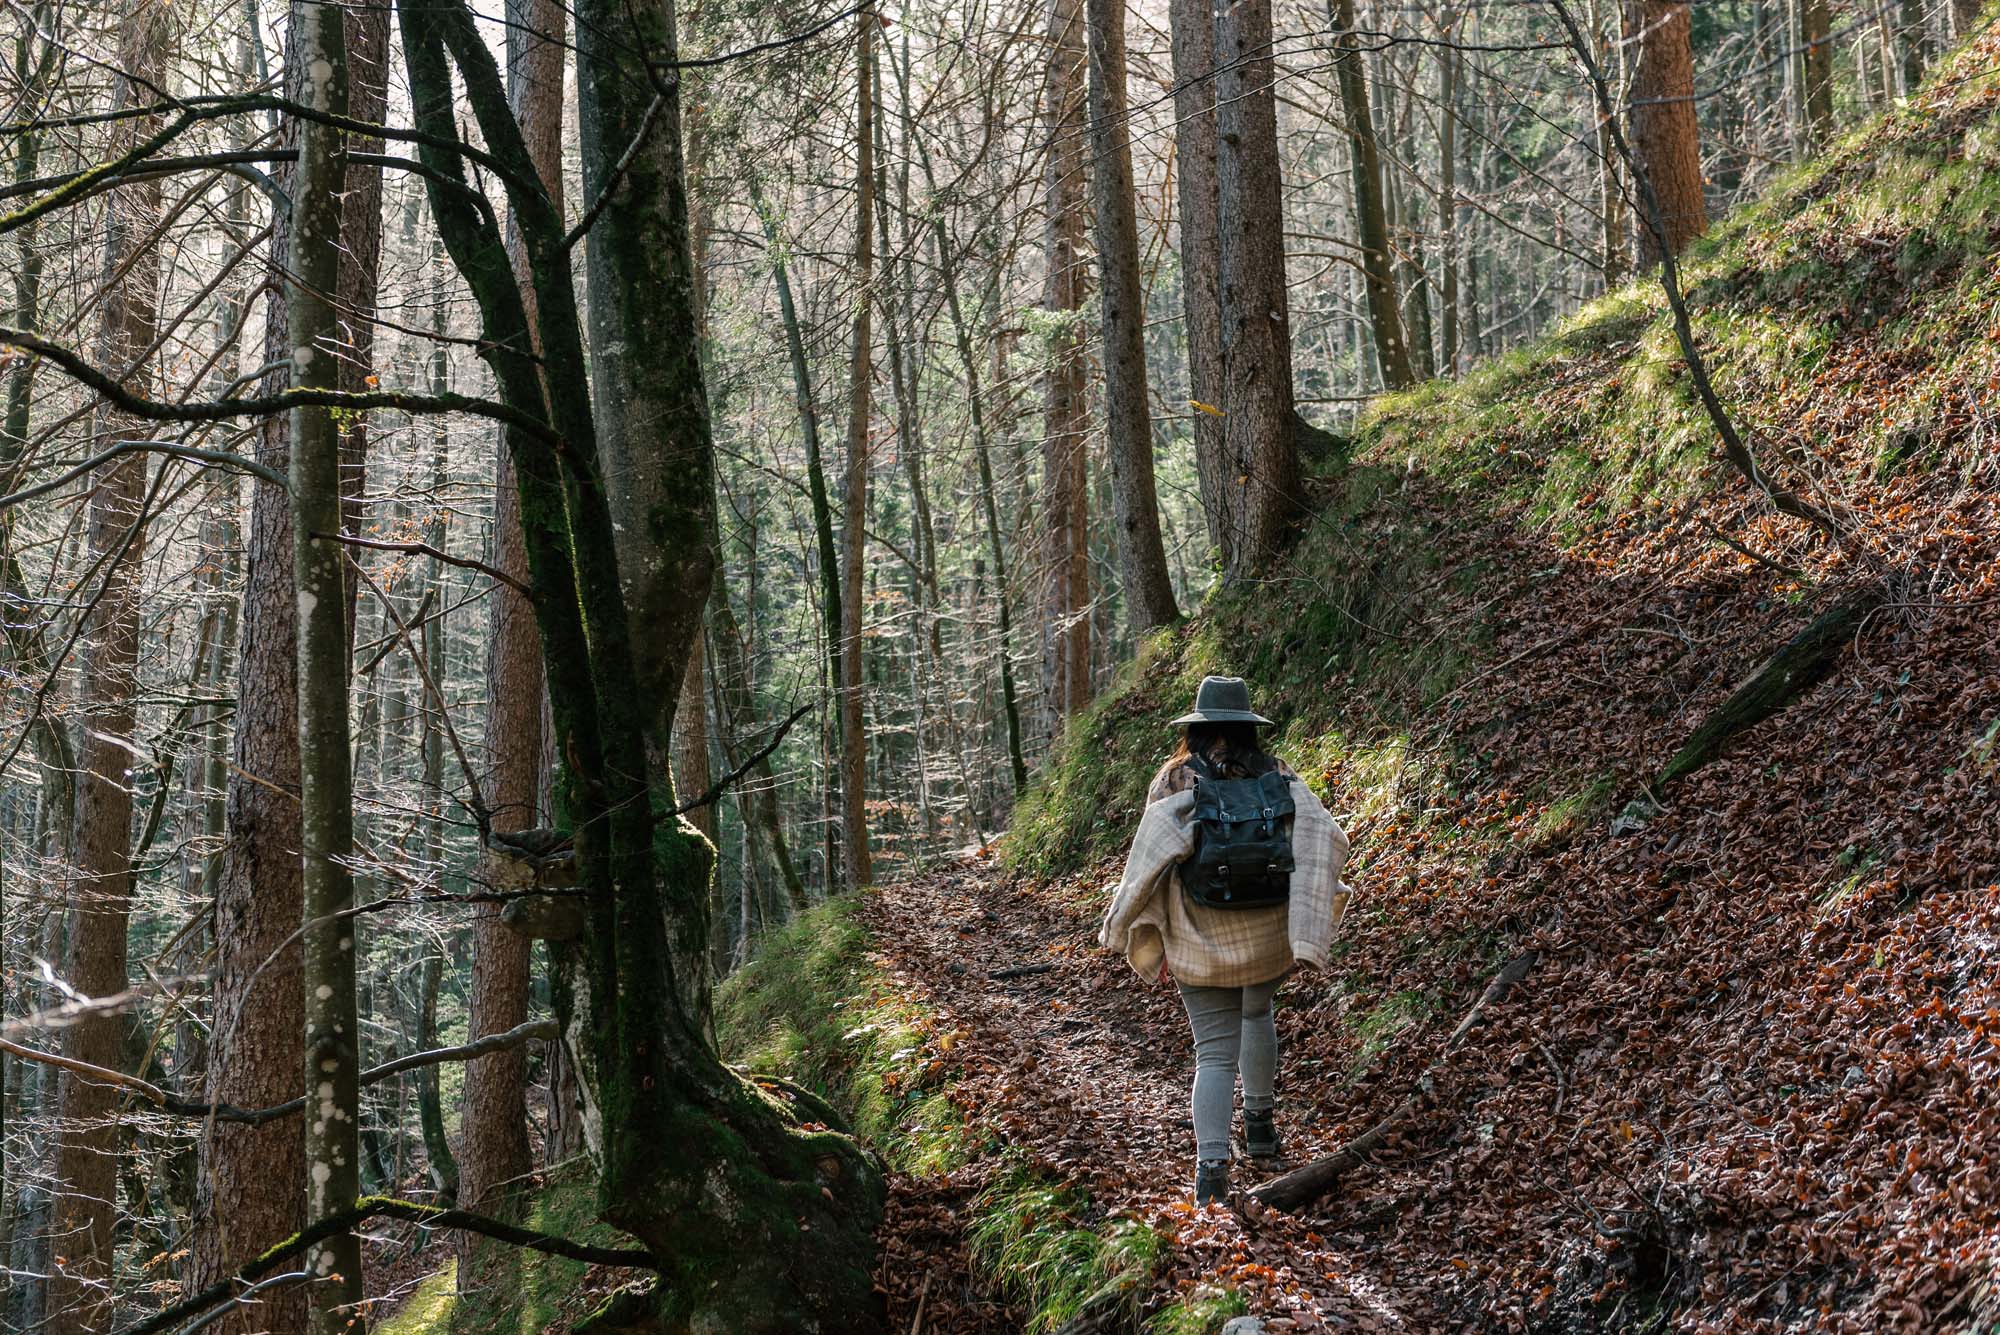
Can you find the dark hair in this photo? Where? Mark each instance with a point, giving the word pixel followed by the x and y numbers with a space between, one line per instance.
pixel 1232 748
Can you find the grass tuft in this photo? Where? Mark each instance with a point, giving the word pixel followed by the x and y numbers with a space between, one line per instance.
pixel 1202 1313
pixel 1036 1239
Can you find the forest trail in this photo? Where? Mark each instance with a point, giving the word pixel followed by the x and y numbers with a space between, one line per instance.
pixel 1084 1068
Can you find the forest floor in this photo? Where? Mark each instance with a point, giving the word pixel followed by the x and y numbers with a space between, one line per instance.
pixel 1752 1082
pixel 1083 1070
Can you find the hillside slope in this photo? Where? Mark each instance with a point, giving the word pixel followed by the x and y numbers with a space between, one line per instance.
pixel 1750 1082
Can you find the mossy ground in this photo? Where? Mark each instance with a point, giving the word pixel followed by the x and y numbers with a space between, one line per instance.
pixel 814 1007
pixel 428 1310
pixel 524 1292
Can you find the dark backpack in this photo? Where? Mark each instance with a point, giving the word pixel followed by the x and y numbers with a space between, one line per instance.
pixel 1242 855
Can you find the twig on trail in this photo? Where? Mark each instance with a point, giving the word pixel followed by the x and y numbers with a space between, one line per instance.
pixel 1021 971
pixel 923 1295
pixel 1789 572
pixel 1555 1068
pixel 1304 1185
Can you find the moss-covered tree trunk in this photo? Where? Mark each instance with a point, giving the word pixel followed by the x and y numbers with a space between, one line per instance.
pixel 757 1224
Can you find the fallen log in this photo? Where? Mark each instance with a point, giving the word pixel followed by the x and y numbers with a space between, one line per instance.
pixel 1803 663
pixel 1302 1186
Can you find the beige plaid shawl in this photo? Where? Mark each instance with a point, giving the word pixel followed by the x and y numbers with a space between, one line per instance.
pixel 1150 919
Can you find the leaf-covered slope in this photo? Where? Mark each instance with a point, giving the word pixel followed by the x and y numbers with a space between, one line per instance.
pixel 1751 1083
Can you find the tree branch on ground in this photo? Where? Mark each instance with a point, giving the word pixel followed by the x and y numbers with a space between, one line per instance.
pixel 370 1207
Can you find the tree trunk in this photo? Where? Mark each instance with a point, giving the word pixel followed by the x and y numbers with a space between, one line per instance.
pixel 87 1152
pixel 1201 255
pixel 1066 411
pixel 652 416
pixel 1392 356
pixel 1128 419
pixel 495 1157
pixel 249 1195
pixel 755 1239
pixel 326 798
pixel 1666 139
pixel 856 865
pixel 651 406
pixel 1912 38
pixel 831 620
pixel 1259 439
pixel 1447 195
pixel 1612 220
pixel 1815 24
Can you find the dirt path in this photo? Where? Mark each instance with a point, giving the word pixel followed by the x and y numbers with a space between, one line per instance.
pixel 1085 1068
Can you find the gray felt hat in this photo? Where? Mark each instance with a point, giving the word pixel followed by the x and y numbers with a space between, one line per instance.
pixel 1222 700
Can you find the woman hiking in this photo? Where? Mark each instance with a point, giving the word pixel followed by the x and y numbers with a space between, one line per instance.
pixel 1232 881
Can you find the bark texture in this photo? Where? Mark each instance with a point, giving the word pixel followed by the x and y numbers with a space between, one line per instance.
pixel 1128 417
pixel 652 426
pixel 1665 137
pixel 248 1195
pixel 1201 258
pixel 332 1059
pixel 856 862
pixel 495 1155
pixel 1816 85
pixel 1260 441
pixel 1066 407
pixel 87 1149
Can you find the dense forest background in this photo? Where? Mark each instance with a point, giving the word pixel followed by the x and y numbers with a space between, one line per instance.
pixel 936 358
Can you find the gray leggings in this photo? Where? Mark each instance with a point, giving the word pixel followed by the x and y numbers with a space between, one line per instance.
pixel 1232 1028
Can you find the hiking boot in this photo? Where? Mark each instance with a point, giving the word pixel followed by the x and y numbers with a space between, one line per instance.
pixel 1260 1134
pixel 1211 1181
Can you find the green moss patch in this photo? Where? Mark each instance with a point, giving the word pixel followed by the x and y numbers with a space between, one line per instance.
pixel 428 1310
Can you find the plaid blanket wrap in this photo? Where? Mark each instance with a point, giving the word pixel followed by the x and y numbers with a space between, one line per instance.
pixel 1150 919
